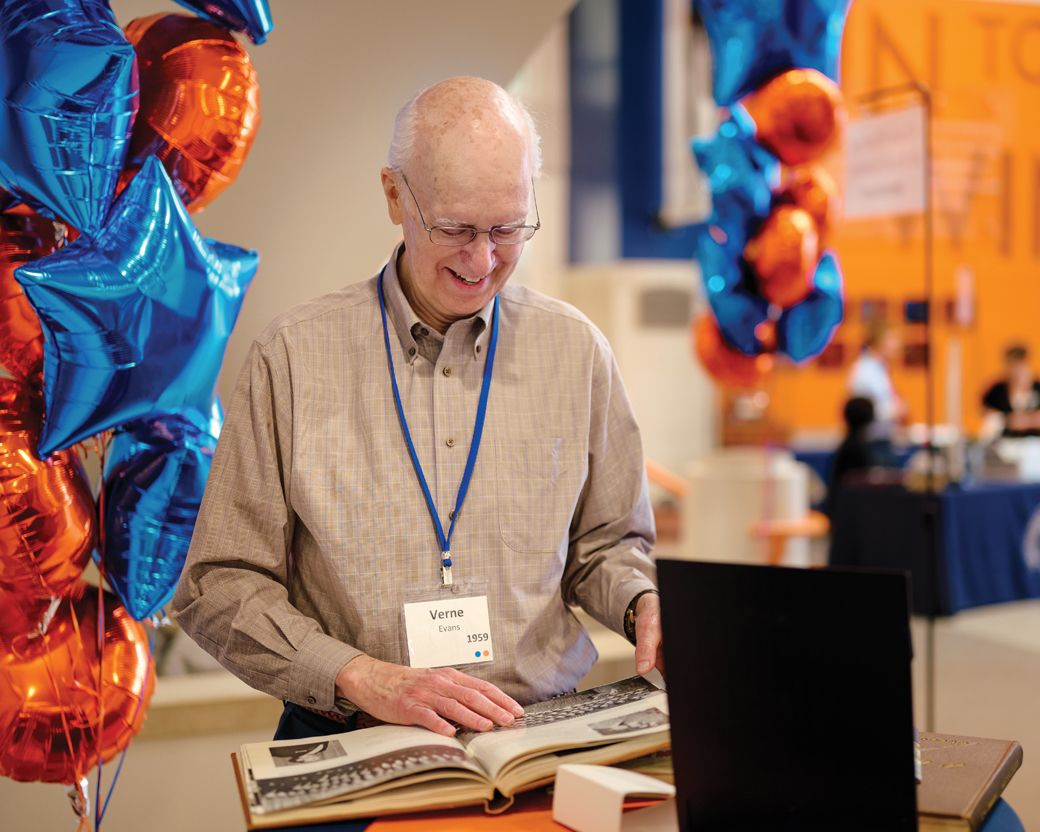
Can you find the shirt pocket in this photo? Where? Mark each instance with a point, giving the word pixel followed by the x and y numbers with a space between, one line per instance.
pixel 538 483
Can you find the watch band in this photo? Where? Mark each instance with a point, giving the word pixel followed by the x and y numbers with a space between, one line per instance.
pixel 630 615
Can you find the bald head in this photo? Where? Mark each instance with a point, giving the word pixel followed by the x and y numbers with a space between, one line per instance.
pixel 460 121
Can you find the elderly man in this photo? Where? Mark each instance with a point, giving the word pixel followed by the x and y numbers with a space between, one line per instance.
pixel 419 473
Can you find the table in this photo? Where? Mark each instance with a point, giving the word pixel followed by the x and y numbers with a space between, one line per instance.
pixel 533 813
pixel 988 539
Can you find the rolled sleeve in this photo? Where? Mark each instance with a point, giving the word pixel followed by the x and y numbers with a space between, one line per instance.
pixel 233 597
pixel 612 531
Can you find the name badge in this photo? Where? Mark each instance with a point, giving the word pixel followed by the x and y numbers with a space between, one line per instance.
pixel 448 631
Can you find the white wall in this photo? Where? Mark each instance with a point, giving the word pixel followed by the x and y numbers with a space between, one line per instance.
pixel 332 75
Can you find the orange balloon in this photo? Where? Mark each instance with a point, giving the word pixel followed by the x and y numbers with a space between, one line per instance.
pixel 784 254
pixel 47 516
pixel 24 236
pixel 20 621
pixel 50 707
pixel 812 189
pixel 797 115
pixel 199 107
pixel 728 366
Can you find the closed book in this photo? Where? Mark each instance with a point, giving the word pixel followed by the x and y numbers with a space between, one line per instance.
pixel 963 777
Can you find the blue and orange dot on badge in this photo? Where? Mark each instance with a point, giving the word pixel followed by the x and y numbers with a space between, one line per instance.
pixel 481 654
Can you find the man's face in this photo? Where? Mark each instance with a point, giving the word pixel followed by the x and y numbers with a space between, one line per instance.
pixel 453 282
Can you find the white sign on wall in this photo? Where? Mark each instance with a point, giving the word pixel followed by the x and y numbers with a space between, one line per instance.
pixel 885 164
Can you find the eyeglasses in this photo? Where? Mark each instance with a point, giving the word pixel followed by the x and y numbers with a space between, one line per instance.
pixel 460 235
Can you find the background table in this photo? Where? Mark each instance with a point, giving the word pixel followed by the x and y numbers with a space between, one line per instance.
pixel 533 813
pixel 988 540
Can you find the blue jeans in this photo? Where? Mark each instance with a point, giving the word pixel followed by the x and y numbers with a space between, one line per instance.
pixel 297 723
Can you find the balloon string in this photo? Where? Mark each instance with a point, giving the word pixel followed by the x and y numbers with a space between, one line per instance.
pixel 101 446
pixel 61 706
pixel 133 720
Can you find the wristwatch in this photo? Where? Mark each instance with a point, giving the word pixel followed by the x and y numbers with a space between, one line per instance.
pixel 630 615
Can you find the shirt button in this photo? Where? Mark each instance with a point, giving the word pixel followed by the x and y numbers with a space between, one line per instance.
pixel 478 347
pixel 424 332
pixel 411 350
pixel 449 442
pixel 311 700
pixel 451 514
pixel 447 371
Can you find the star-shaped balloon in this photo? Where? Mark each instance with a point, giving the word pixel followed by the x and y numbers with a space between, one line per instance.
pixel 742 176
pixel 68 96
pixel 804 330
pixel 250 16
pixel 135 322
pixel 754 40
pixel 155 473
pixel 737 309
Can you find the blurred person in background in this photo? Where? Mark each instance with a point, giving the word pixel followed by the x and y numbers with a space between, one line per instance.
pixel 1012 405
pixel 870 378
pixel 857 452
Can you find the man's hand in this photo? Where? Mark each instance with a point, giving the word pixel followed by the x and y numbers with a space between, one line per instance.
pixel 648 634
pixel 424 697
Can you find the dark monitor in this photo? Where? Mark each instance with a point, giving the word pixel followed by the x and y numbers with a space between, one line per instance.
pixel 790 698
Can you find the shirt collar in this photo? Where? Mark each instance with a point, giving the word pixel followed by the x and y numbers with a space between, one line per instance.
pixel 408 325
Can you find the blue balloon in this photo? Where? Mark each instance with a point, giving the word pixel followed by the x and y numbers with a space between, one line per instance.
pixel 135 323
pixel 737 308
pixel 804 330
pixel 250 16
pixel 155 473
pixel 752 41
pixel 741 174
pixel 68 97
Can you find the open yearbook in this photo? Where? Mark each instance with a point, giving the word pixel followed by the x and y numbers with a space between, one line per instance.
pixel 391 768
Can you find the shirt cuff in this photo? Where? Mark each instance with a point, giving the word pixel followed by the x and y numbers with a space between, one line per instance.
pixel 318 661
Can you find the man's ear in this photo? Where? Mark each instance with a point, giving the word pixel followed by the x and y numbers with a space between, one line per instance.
pixel 393 195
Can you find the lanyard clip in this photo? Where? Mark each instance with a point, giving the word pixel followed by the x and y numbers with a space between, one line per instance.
pixel 446 569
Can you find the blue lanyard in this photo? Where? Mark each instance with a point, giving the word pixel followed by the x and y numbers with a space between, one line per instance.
pixel 474 445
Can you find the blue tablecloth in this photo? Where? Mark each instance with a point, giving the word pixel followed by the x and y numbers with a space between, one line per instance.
pixel 988 540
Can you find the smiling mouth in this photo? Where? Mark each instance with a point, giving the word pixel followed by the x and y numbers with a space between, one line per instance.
pixel 466 280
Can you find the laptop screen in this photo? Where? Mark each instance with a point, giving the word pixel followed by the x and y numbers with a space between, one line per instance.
pixel 790 698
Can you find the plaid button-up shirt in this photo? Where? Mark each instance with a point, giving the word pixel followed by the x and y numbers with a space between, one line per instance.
pixel 314 532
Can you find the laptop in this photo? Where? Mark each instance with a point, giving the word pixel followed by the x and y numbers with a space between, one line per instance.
pixel 789 696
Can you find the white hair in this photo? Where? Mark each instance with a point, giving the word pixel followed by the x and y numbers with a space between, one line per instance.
pixel 406 127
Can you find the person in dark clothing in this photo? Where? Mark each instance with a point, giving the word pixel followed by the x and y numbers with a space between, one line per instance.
pixel 1012 405
pixel 855 453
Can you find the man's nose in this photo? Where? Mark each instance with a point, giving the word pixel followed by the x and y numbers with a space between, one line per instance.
pixel 479 254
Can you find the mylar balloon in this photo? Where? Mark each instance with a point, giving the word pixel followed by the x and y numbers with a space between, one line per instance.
pixel 741 175
pixel 135 324
pixel 797 115
pixel 50 703
pixel 723 363
pixel 23 238
pixel 804 330
pixel 68 95
pixel 47 515
pixel 155 474
pixel 20 621
pixel 250 16
pixel 738 310
pixel 754 40
pixel 200 103
pixel 784 254
pixel 812 189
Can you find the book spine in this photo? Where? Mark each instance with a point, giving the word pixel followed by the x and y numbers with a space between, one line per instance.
pixel 1009 765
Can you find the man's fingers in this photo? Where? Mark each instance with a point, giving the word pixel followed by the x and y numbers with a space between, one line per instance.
pixel 495 694
pixel 456 711
pixel 481 704
pixel 426 717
